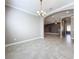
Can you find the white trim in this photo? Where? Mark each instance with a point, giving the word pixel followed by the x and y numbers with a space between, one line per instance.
pixel 24 41
pixel 21 9
pixel 52 33
pixel 61 8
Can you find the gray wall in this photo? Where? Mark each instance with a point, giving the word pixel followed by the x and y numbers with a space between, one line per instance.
pixel 21 26
pixel 72 27
pixel 52 28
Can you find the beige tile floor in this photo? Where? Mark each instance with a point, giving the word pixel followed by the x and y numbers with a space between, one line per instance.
pixel 52 47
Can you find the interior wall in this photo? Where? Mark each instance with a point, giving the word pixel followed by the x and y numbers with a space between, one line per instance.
pixel 21 26
pixel 52 28
pixel 72 27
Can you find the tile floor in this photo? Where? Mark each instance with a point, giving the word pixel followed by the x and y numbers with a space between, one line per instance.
pixel 52 47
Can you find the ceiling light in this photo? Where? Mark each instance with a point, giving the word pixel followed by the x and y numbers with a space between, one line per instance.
pixel 67 12
pixel 44 13
pixel 41 12
pixel 38 12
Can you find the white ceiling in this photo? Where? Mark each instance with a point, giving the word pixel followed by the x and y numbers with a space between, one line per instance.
pixel 32 6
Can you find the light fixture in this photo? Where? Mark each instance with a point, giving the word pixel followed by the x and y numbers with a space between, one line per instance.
pixel 41 12
pixel 67 12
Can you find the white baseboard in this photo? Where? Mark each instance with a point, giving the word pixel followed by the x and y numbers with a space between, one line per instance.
pixel 24 41
pixel 52 33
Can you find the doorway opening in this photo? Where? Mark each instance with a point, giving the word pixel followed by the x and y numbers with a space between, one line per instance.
pixel 60 28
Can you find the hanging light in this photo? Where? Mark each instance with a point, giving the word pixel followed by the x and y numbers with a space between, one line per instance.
pixel 41 12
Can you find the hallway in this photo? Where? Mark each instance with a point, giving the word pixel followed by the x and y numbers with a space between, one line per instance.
pixel 52 47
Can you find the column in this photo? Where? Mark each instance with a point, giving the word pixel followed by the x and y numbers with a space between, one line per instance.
pixel 61 29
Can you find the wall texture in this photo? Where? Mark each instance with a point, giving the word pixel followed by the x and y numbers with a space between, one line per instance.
pixel 21 26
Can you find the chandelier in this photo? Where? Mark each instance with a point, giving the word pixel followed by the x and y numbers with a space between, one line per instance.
pixel 41 12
